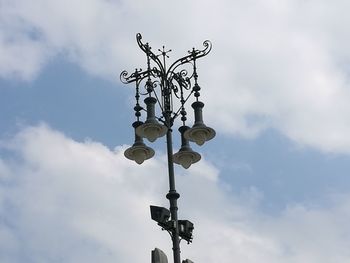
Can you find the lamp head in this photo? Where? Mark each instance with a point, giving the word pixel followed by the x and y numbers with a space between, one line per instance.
pixel 185 156
pixel 199 133
pixel 151 129
pixel 138 152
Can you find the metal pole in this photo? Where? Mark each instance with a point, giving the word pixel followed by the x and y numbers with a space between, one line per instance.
pixel 173 196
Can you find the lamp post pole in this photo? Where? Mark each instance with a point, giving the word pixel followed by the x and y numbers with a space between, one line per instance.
pixel 162 86
pixel 173 196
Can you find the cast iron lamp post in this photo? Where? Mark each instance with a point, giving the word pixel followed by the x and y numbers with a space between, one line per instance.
pixel 170 88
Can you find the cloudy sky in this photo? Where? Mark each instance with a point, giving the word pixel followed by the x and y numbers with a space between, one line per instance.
pixel 273 186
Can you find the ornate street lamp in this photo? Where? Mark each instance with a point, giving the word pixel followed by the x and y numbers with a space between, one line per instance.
pixel 161 85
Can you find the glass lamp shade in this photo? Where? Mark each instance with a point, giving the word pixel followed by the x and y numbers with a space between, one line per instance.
pixel 186 157
pixel 200 134
pixel 151 130
pixel 139 153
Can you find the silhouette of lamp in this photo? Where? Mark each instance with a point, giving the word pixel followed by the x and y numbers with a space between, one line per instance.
pixel 199 133
pixel 185 156
pixel 138 152
pixel 166 86
pixel 151 129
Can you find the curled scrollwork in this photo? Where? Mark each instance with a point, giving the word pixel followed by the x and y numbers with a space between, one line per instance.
pixel 183 73
pixel 123 77
pixel 180 81
pixel 150 86
pixel 156 73
pixel 137 76
pixel 179 78
pixel 147 49
pixel 194 54
pixel 208 46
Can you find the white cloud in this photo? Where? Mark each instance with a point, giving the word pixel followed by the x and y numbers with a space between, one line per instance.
pixel 279 65
pixel 74 202
pixel 66 201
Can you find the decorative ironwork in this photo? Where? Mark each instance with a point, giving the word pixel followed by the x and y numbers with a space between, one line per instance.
pixel 163 82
